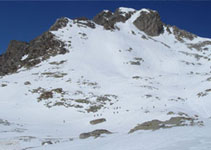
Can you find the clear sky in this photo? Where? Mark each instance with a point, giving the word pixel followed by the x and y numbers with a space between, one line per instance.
pixel 26 20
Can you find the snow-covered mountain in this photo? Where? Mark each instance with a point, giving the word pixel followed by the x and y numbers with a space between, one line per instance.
pixel 124 76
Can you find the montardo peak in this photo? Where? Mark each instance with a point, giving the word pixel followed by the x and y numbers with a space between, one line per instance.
pixel 122 81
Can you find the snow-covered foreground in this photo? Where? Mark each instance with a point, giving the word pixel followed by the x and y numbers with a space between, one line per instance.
pixel 122 76
pixel 183 138
pixel 186 138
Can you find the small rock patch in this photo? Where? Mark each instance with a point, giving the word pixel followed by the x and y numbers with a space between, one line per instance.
pixel 96 133
pixel 97 121
pixel 172 122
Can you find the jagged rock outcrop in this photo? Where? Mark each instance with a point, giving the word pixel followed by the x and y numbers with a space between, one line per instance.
pixel 42 48
pixel 61 22
pixel 103 19
pixel 180 34
pixel 85 22
pixel 200 46
pixel 11 60
pixel 37 50
pixel 172 122
pixel 108 19
pixel 150 23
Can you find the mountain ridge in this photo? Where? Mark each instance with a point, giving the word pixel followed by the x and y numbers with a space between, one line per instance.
pixel 81 81
pixel 149 25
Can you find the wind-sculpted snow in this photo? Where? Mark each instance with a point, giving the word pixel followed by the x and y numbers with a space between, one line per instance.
pixel 111 82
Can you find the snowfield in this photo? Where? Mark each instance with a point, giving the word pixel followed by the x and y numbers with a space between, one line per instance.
pixel 123 76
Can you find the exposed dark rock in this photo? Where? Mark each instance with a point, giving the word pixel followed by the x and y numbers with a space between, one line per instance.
pixel 3 85
pixel 103 99
pixel 27 83
pixel 15 47
pixel 60 23
pixel 170 113
pixel 172 122
pixel 168 30
pixel 103 18
pixel 150 125
pixel 150 23
pixel 208 79
pixel 11 60
pixel 46 95
pixel 205 93
pixel 95 133
pixel 195 55
pixel 58 63
pixel 199 46
pixel 136 77
pixel 41 48
pixel 108 19
pixel 144 37
pixel 135 63
pixel 94 108
pixel 83 101
pixel 180 34
pixel 97 121
pixel 84 22
pixel 4 122
pixel 54 74
pixel 58 90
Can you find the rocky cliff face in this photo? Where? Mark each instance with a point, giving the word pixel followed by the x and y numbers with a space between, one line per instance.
pixel 11 60
pixel 46 45
pixel 108 19
pixel 150 23
pixel 37 50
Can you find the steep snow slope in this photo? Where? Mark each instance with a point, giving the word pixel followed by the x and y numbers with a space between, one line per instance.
pixel 121 75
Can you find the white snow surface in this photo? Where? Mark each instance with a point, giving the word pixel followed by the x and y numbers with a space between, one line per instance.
pixel 145 78
pixel 126 10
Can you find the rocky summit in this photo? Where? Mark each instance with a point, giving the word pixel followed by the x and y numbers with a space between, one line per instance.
pixel 123 80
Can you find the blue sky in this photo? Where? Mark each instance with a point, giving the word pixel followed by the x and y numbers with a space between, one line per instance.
pixel 26 20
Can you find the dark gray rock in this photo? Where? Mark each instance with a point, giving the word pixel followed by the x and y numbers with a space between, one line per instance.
pixel 27 83
pixel 39 49
pixel 180 34
pixel 42 47
pixel 84 22
pixel 150 23
pixel 172 122
pixel 97 121
pixel 199 46
pixel 11 60
pixel 60 23
pixel 16 47
pixel 103 19
pixel 168 29
pixel 108 19
pixel 96 133
pixel 4 122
